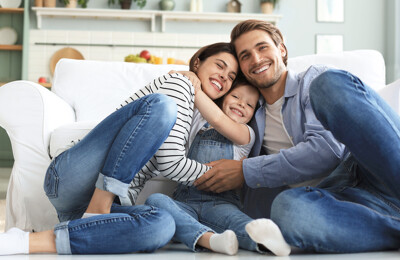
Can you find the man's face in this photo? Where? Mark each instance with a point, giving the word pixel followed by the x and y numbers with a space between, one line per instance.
pixel 260 59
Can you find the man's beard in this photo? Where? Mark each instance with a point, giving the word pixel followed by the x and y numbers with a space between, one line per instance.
pixel 264 84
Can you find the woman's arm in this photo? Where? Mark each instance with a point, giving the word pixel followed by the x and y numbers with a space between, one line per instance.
pixel 237 133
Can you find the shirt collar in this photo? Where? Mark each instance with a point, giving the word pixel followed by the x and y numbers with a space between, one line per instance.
pixel 291 86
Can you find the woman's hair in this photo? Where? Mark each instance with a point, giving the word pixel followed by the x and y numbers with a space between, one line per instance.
pixel 251 25
pixel 210 50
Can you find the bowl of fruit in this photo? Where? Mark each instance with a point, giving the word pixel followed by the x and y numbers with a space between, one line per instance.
pixel 144 57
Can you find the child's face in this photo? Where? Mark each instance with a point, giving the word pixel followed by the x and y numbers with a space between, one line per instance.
pixel 240 103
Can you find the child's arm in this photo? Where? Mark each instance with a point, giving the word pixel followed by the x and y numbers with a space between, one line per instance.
pixel 236 132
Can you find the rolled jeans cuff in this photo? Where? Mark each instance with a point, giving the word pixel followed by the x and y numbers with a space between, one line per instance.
pixel 112 185
pixel 61 232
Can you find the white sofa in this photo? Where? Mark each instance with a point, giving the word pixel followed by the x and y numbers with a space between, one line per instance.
pixel 39 121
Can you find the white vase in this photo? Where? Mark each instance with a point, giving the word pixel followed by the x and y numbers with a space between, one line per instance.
pixel 193 5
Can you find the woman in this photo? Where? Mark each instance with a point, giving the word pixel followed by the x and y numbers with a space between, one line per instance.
pixel 84 180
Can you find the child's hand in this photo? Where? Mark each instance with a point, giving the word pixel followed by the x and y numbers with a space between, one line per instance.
pixel 192 77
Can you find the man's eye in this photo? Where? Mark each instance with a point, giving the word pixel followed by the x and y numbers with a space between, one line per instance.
pixel 244 56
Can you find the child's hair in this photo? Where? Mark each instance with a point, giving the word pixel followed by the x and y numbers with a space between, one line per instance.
pixel 239 81
pixel 210 50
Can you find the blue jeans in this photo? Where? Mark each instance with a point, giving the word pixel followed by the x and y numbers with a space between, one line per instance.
pixel 197 212
pixel 108 158
pixel 357 208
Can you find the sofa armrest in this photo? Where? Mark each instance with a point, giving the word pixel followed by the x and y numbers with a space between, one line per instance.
pixel 391 94
pixel 29 113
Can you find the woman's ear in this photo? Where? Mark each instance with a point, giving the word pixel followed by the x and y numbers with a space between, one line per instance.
pixel 196 64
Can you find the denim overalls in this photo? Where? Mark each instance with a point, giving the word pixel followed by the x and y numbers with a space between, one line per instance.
pixel 218 211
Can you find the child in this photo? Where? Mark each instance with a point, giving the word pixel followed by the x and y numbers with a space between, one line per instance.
pixel 193 208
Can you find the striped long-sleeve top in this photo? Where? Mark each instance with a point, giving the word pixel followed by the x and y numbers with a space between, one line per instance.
pixel 170 160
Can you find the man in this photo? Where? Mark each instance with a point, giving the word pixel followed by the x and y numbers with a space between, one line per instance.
pixel 291 144
pixel 355 209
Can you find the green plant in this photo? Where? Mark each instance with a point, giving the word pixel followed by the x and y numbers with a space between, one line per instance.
pixel 82 3
pixel 140 3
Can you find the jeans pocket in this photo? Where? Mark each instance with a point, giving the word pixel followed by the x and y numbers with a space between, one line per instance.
pixel 51 181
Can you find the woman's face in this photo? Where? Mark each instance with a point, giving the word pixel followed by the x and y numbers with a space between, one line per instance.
pixel 217 73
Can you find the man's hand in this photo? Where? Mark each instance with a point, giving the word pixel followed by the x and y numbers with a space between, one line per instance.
pixel 223 176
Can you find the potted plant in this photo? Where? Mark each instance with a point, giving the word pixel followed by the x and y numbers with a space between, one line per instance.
pixel 126 4
pixel 267 6
pixel 73 3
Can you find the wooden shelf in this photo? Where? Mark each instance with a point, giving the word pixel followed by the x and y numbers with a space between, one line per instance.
pixel 150 15
pixel 46 85
pixel 12 10
pixel 11 47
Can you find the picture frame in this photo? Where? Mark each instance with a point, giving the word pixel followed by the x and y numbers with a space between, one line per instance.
pixel 328 43
pixel 330 11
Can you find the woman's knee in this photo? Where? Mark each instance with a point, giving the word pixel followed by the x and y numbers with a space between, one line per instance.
pixel 165 108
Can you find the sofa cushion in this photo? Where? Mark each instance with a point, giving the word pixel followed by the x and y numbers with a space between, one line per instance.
pixel 95 88
pixel 368 65
pixel 62 137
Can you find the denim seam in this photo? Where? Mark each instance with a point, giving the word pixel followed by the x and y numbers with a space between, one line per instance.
pixel 387 202
pixel 132 135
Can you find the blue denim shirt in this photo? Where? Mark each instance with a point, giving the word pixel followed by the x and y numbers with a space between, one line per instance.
pixel 315 152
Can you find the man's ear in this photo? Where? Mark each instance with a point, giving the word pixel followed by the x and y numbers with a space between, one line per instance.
pixel 196 64
pixel 282 48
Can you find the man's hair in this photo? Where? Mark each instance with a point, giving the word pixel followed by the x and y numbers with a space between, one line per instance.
pixel 210 50
pixel 251 25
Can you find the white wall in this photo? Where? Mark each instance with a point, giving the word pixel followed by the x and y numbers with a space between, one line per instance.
pixel 364 27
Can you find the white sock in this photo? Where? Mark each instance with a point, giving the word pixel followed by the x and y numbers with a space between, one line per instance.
pixel 88 215
pixel 266 232
pixel 225 243
pixel 14 241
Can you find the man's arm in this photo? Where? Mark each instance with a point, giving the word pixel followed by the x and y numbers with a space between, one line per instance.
pixel 224 175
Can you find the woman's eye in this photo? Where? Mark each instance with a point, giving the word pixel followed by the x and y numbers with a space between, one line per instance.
pixel 219 65
pixel 232 78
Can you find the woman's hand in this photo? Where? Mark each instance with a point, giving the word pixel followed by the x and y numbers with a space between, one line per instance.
pixel 191 76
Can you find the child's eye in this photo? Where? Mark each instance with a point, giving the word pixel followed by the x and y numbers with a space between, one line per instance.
pixel 234 96
pixel 250 105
